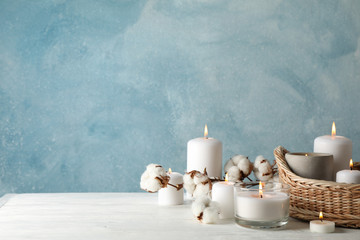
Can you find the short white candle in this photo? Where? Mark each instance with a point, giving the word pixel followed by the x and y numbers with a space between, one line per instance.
pixel 223 193
pixel 322 226
pixel 170 195
pixel 205 153
pixel 340 147
pixel 267 206
pixel 348 176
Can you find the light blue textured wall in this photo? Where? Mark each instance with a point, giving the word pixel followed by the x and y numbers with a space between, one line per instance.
pixel 93 91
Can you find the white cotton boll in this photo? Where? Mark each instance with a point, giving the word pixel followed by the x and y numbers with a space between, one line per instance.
pixel 264 171
pixel 200 178
pixel 245 166
pixel 197 208
pixel 155 170
pixel 228 165
pixel 210 215
pixel 189 184
pixel 258 161
pixel 190 188
pixel 201 190
pixel 236 159
pixel 153 185
pixel 203 199
pixel 234 174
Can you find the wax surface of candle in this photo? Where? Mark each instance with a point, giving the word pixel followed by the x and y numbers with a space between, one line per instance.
pixel 223 193
pixel 348 176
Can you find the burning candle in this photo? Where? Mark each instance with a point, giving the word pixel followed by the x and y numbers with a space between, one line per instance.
pixel 173 194
pixel 340 147
pixel 322 226
pixel 205 153
pixel 223 193
pixel 264 206
pixel 348 176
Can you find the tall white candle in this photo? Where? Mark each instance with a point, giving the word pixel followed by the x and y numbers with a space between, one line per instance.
pixel 340 147
pixel 170 195
pixel 223 193
pixel 205 153
pixel 348 176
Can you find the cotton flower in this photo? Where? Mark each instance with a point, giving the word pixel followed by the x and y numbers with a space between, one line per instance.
pixel 197 183
pixel 154 178
pixel 262 169
pixel 205 210
pixel 238 168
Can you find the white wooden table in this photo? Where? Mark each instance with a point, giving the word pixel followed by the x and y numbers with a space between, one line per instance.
pixel 126 216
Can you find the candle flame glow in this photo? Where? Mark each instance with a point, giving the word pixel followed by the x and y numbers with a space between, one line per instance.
pixel 206 131
pixel 351 164
pixel 333 130
pixel 226 177
pixel 169 170
pixel 321 216
pixel 306 154
pixel 260 190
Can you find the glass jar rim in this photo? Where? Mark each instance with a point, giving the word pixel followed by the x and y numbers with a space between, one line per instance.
pixel 267 186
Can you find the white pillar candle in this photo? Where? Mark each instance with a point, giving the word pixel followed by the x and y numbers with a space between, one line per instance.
pixel 322 226
pixel 340 147
pixel 170 195
pixel 348 176
pixel 205 153
pixel 223 193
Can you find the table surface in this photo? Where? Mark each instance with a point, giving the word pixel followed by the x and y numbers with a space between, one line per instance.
pixel 127 216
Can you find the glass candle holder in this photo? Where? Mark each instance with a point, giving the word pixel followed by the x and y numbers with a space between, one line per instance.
pixel 261 205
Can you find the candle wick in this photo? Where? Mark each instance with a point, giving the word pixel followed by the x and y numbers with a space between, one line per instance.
pixel 261 196
pixel 350 168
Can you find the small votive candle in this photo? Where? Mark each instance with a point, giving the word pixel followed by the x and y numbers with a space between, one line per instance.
pixel 259 205
pixel 170 195
pixel 348 176
pixel 322 226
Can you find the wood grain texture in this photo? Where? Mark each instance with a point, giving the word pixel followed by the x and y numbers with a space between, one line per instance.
pixel 126 216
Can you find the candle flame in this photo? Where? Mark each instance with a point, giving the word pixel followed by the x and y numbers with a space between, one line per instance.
pixel 351 164
pixel 333 130
pixel 321 216
pixel 226 177
pixel 306 154
pixel 260 190
pixel 169 170
pixel 206 131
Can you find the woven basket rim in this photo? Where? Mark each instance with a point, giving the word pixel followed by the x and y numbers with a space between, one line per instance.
pixel 281 150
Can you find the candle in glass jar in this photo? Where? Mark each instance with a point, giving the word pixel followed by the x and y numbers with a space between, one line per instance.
pixel 205 153
pixel 170 195
pixel 263 207
pixel 340 147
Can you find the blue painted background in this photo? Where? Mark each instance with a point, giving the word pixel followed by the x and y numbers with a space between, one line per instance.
pixel 93 91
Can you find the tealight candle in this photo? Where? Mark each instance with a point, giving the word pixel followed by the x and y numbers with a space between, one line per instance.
pixel 348 176
pixel 340 147
pixel 205 153
pixel 223 193
pixel 322 226
pixel 173 194
pixel 261 208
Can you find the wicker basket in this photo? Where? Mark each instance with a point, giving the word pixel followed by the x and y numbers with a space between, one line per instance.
pixel 340 202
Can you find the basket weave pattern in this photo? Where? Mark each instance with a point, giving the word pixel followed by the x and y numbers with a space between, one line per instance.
pixel 340 202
